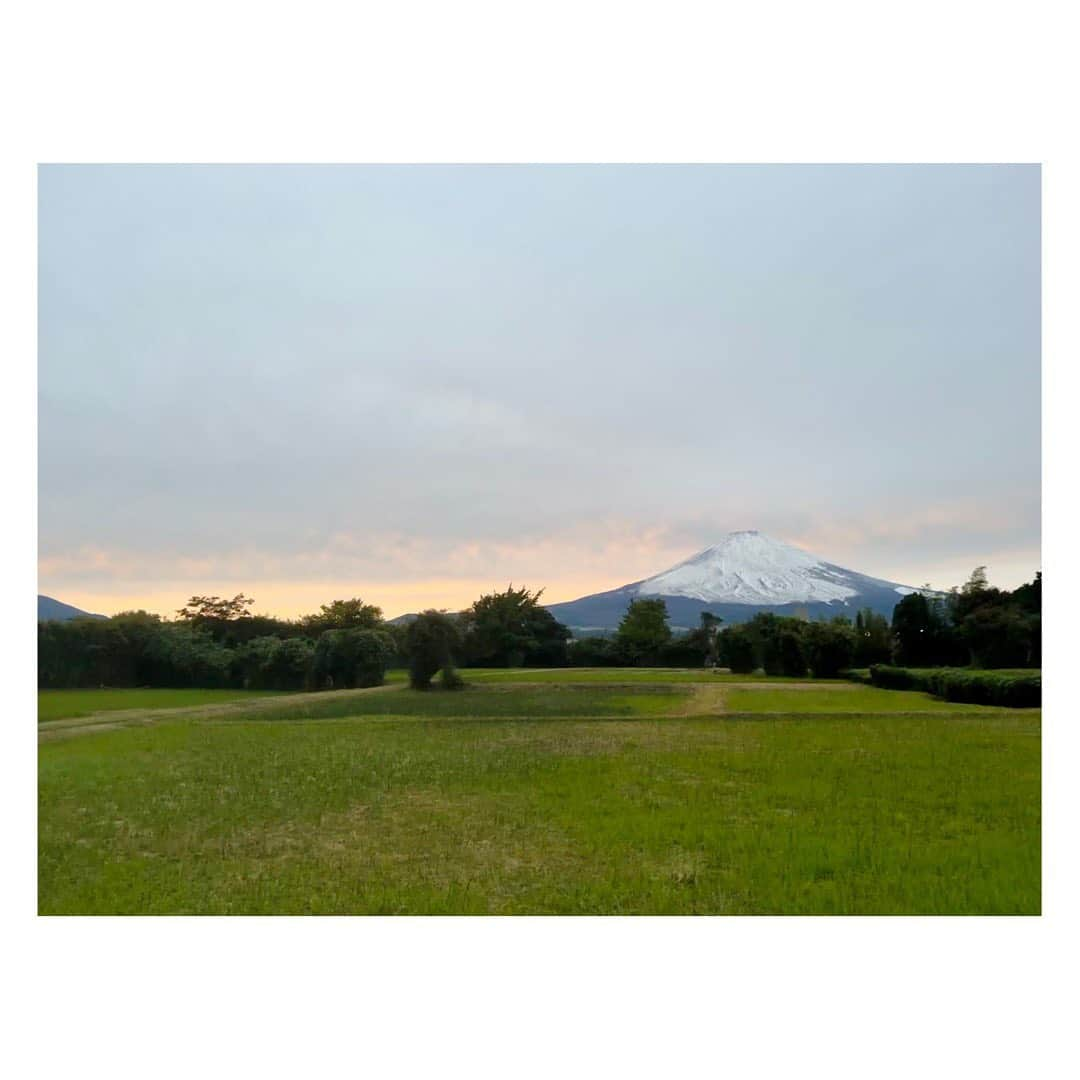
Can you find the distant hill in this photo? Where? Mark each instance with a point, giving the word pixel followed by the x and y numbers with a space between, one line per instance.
pixel 49 609
pixel 746 573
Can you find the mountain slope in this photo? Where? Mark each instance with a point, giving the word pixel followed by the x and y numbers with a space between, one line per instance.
pixel 746 573
pixel 49 609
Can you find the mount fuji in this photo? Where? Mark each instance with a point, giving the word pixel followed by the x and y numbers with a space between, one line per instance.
pixel 746 573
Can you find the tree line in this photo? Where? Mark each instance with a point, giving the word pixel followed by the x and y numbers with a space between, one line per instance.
pixel 218 642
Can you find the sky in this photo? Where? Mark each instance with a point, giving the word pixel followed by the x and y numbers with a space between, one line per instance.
pixel 415 384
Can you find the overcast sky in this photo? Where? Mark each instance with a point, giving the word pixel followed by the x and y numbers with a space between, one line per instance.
pixel 415 383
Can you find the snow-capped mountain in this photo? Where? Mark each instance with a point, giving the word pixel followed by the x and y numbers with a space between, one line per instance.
pixel 745 573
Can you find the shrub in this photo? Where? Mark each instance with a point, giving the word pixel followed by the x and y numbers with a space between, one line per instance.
pixel 893 678
pixel 964 685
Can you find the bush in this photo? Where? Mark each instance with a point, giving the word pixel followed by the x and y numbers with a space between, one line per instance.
pixel 893 678
pixel 964 685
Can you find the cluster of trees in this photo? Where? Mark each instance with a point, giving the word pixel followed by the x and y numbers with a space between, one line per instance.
pixel 777 644
pixel 785 646
pixel 974 625
pixel 217 642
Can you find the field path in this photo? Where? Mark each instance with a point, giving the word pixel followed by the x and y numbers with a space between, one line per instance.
pixel 704 701
pixel 119 718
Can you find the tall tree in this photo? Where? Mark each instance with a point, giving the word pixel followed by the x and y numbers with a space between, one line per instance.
pixel 643 631
pixel 919 630
pixel 873 639
pixel 511 628
pixel 432 639
pixel 710 630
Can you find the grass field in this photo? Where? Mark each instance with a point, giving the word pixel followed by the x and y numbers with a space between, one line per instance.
pixel 656 792
pixel 839 698
pixel 66 704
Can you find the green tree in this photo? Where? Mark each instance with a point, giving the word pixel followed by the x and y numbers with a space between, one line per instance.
pixel 182 654
pixel 977 583
pixel 251 662
pixel 289 667
pixel 1029 597
pixel 201 610
pixel 783 653
pixel 738 650
pixel 511 629
pixel 351 614
pixel 829 647
pixel 432 639
pixel 643 631
pixel 592 651
pixel 918 629
pixel 873 639
pixel 710 630
pixel 349 658
pixel 269 663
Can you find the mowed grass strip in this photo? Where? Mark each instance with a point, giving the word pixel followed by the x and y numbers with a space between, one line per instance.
pixel 477 700
pixel 70 704
pixel 850 814
pixel 616 676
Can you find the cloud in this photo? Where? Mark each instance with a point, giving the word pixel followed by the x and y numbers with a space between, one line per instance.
pixel 383 376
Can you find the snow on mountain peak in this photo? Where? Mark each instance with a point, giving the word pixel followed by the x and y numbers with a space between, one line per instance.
pixel 751 568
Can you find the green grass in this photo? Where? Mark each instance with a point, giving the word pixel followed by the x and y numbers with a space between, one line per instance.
pixel 68 704
pixel 842 698
pixel 610 675
pixel 478 701
pixel 462 811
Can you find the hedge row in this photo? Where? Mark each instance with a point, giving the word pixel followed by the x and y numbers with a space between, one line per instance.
pixel 959 684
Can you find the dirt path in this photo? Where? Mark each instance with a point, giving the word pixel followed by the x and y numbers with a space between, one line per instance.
pixel 704 701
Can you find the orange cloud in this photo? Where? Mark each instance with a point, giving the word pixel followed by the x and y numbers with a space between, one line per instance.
pixel 393 572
